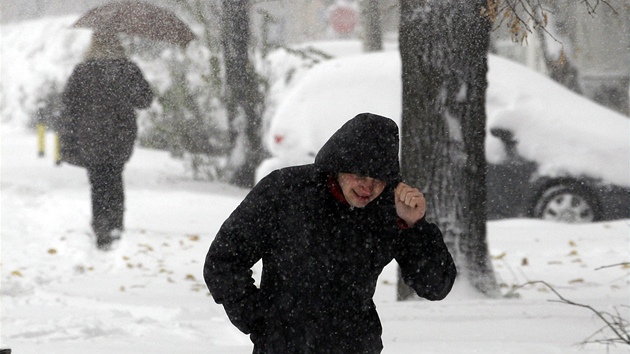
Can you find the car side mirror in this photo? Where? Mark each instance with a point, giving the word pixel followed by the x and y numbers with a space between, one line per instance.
pixel 507 138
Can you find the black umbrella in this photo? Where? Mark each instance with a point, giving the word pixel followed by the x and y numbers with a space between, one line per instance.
pixel 139 19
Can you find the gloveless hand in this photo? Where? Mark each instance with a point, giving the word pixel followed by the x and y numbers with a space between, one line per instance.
pixel 410 203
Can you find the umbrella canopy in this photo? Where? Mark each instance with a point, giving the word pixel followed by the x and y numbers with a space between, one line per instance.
pixel 139 19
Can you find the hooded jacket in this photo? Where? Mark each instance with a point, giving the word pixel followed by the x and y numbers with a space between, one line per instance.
pixel 98 123
pixel 322 258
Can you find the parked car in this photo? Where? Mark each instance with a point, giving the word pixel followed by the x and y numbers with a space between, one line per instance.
pixel 551 153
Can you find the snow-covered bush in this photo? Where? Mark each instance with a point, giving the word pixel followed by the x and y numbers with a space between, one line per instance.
pixel 37 57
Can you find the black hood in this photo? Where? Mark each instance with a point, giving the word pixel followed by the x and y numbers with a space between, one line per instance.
pixel 367 145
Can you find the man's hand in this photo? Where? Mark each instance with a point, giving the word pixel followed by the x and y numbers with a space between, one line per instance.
pixel 410 203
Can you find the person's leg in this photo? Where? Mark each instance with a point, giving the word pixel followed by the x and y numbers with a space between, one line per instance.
pixel 116 199
pixel 96 175
pixel 107 202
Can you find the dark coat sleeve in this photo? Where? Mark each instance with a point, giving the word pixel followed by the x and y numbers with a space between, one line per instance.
pixel 425 262
pixel 67 122
pixel 140 93
pixel 238 245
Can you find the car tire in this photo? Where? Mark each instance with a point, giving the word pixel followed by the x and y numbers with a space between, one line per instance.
pixel 567 203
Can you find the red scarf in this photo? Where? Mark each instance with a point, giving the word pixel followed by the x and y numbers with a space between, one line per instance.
pixel 335 189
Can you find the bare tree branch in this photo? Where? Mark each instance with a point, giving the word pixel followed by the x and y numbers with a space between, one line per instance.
pixel 591 5
pixel 624 264
pixel 519 13
pixel 617 324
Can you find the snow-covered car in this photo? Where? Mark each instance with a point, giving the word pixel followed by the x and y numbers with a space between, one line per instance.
pixel 551 153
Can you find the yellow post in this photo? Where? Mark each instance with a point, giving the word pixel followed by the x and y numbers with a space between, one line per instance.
pixel 57 149
pixel 41 139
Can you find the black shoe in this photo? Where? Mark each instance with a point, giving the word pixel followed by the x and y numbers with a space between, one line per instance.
pixel 105 242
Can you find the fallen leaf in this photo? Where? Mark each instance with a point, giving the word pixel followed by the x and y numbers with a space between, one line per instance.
pixel 146 246
pixel 52 251
pixel 575 281
pixel 197 287
pixel 500 256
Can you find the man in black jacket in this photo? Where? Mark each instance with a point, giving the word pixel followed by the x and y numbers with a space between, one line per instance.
pixel 324 232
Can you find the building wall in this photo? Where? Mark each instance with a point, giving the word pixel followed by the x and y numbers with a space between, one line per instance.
pixel 295 21
pixel 602 54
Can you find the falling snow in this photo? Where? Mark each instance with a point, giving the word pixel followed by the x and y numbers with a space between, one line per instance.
pixel 60 295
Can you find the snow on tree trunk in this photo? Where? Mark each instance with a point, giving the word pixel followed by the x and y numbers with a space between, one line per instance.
pixel 443 47
pixel 558 52
pixel 245 103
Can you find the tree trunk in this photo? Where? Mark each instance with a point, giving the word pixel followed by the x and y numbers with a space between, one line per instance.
pixel 245 103
pixel 443 47
pixel 372 26
pixel 559 56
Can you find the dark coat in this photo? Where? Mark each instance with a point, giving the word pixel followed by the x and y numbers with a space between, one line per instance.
pixel 321 258
pixel 98 123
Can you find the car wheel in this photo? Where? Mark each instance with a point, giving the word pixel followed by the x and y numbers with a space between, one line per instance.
pixel 568 204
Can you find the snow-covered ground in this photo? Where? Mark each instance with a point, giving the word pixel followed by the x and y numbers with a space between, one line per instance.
pixel 61 295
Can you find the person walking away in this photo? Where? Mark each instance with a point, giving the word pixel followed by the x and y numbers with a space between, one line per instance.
pixel 98 127
pixel 324 232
